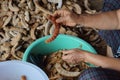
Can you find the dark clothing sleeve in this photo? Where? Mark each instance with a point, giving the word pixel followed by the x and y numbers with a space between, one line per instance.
pixel 99 74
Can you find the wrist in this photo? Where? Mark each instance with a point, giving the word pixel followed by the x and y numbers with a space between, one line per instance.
pixel 80 21
pixel 85 56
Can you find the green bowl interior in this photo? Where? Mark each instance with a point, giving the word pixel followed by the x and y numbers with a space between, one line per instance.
pixel 61 42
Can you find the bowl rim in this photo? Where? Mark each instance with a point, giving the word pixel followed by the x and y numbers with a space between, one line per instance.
pixel 44 77
pixel 27 51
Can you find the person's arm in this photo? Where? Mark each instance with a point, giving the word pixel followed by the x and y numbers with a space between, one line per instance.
pixel 104 20
pixel 76 56
pixel 105 62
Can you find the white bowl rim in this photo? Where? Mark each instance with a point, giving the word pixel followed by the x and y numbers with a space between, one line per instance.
pixel 44 76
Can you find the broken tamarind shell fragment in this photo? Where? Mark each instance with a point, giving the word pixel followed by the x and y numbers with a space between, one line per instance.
pixel 64 72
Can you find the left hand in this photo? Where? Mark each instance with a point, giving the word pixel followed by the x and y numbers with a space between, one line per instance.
pixel 66 17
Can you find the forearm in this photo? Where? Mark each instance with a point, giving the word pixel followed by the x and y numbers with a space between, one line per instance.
pixel 104 20
pixel 105 62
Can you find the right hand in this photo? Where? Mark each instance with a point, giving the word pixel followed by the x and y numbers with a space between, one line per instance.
pixel 66 17
pixel 73 56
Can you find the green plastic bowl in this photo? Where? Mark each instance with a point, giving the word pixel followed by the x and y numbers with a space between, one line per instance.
pixel 61 42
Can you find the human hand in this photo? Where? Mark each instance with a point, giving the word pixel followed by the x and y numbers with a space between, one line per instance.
pixel 73 56
pixel 66 17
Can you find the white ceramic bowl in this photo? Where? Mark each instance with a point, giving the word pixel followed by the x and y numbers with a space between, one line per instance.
pixel 13 70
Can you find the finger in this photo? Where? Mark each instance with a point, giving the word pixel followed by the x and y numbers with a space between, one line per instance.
pixel 65 54
pixel 61 20
pixel 58 13
pixel 67 57
pixel 68 60
pixel 67 51
pixel 55 14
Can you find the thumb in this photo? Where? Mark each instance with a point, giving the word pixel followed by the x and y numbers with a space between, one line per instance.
pixel 60 20
pixel 65 57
